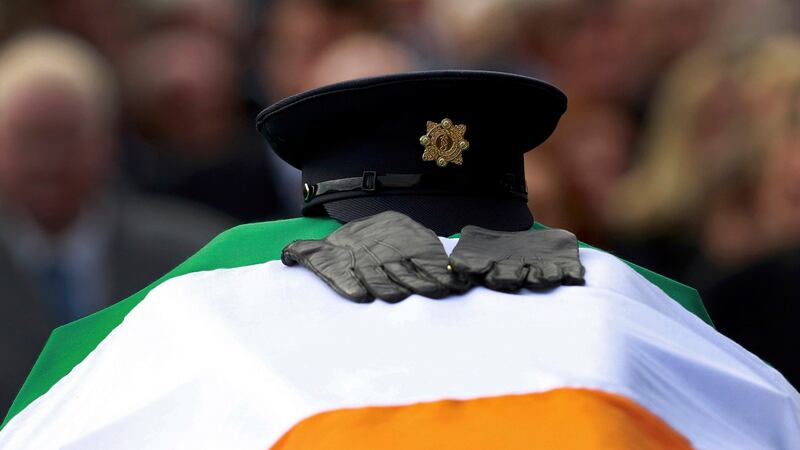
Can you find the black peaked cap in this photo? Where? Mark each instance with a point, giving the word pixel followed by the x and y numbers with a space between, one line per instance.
pixel 359 145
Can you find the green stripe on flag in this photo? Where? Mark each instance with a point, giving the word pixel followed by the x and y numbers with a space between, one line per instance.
pixel 244 245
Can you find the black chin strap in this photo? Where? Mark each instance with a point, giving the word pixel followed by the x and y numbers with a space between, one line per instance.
pixel 370 181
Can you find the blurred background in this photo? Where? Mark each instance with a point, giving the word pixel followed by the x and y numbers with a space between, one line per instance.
pixel 127 138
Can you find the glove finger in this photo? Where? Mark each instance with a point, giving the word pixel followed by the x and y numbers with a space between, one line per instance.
pixel 329 263
pixel 410 279
pixel 506 275
pixel 534 281
pixel 573 274
pixel 470 263
pixel 379 285
pixel 436 270
pixel 343 281
pixel 551 273
pixel 298 251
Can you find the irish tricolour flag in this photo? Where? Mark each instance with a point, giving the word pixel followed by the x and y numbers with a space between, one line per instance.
pixel 233 350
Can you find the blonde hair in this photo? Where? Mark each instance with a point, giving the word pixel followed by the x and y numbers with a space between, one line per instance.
pixel 670 184
pixel 50 56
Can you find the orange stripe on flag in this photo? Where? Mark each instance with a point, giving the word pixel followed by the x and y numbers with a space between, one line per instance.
pixel 562 418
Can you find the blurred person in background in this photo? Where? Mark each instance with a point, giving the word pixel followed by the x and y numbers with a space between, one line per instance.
pixel 111 27
pixel 697 153
pixel 546 199
pixel 228 20
pixel 607 56
pixel 717 191
pixel 756 303
pixel 410 22
pixel 295 34
pixel 589 154
pixel 478 34
pixel 191 136
pixel 359 55
pixel 70 243
pixel 612 51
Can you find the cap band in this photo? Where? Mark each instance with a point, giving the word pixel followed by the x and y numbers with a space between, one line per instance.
pixel 370 181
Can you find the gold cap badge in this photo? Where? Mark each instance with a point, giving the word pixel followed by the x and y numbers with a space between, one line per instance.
pixel 444 143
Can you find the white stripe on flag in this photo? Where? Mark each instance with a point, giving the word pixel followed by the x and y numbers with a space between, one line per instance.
pixel 234 358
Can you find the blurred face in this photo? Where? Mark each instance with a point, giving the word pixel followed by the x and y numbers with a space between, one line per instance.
pixel 300 31
pixel 359 56
pixel 196 81
pixel 53 153
pixel 595 147
pixel 778 193
pixel 601 57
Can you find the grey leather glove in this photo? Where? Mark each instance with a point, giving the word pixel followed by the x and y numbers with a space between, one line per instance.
pixel 507 261
pixel 387 256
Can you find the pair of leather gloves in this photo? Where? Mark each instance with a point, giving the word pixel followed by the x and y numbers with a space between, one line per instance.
pixel 390 256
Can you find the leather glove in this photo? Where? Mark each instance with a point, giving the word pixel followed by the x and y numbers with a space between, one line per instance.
pixel 386 256
pixel 507 261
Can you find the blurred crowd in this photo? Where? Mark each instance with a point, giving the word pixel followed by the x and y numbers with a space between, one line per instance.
pixel 127 137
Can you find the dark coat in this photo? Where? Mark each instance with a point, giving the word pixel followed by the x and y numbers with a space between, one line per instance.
pixel 149 238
